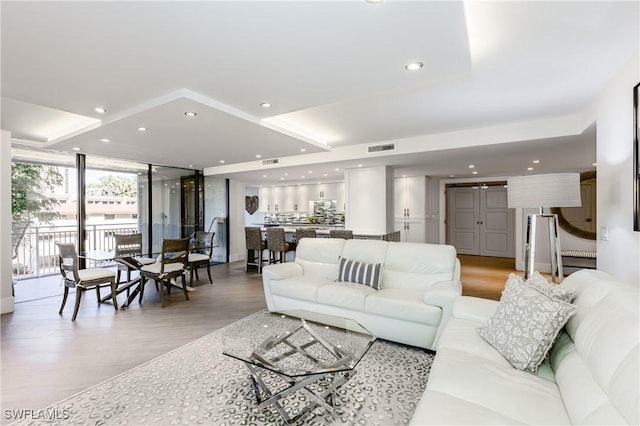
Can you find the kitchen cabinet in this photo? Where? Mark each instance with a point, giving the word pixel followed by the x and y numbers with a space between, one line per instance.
pixel 323 191
pixel 410 200
pixel 302 198
pixel 412 231
pixel 266 201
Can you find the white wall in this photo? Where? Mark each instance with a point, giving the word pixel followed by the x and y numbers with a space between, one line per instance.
pixel 236 224
pixel 6 278
pixel 620 254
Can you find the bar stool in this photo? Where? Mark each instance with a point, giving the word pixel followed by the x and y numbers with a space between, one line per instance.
pixel 341 233
pixel 255 247
pixel 305 233
pixel 276 244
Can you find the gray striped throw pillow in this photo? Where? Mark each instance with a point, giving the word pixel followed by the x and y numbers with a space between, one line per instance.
pixel 359 272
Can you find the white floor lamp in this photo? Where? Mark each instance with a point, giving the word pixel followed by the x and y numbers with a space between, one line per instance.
pixel 539 191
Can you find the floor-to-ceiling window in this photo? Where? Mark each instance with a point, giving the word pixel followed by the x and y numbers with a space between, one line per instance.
pixel 117 197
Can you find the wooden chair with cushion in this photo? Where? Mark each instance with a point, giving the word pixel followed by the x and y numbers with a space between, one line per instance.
pixel 82 279
pixel 341 233
pixel 200 256
pixel 276 243
pixel 129 245
pixel 171 264
pixel 305 233
pixel 255 246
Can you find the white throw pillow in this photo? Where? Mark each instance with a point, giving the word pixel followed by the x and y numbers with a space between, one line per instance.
pixel 369 274
pixel 525 324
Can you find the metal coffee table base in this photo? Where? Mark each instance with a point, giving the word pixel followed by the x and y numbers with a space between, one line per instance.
pixel 325 399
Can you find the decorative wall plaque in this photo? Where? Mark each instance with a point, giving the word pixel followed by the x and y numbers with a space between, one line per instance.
pixel 251 203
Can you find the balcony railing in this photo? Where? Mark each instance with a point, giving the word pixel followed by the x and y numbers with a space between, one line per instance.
pixel 37 253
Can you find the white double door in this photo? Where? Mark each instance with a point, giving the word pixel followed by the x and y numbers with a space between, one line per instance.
pixel 479 222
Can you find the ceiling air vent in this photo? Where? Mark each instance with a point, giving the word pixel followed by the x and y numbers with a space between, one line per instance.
pixel 270 162
pixel 372 149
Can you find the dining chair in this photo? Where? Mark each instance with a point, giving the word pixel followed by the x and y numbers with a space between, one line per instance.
pixel 341 233
pixel 305 233
pixel 276 243
pixel 82 279
pixel 255 247
pixel 129 245
pixel 171 264
pixel 200 255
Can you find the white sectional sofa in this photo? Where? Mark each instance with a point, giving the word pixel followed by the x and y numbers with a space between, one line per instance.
pixel 590 377
pixel 419 285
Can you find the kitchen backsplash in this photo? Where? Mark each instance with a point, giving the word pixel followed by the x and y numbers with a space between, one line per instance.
pixel 324 212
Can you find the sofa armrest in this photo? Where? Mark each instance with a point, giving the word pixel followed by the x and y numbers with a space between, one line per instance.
pixel 281 271
pixel 474 308
pixel 443 294
pixel 277 272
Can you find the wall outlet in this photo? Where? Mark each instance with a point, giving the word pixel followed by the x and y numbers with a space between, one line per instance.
pixel 604 233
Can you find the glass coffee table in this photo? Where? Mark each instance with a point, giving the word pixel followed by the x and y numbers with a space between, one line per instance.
pixel 298 352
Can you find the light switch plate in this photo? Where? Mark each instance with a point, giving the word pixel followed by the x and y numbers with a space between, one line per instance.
pixel 604 233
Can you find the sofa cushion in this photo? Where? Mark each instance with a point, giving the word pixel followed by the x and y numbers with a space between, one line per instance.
pixel 417 266
pixel 345 295
pixel 525 324
pixel 302 288
pixel 596 360
pixel 369 274
pixel 404 304
pixel 370 251
pixel 319 256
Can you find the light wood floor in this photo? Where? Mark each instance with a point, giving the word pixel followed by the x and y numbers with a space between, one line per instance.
pixel 46 357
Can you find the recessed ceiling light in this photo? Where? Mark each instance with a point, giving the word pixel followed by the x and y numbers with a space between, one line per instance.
pixel 326 174
pixel 286 174
pixel 471 166
pixel 281 178
pixel 475 173
pixel 222 161
pixel 264 175
pixel 536 161
pixel 404 175
pixel 302 150
pixel 75 148
pixel 190 114
pixel 265 105
pixel 139 173
pixel 310 172
pixel 529 168
pixel 105 140
pixel 100 110
pixel 142 129
pixel 337 169
pixel 452 176
pixel 191 166
pixel 359 165
pixel 258 156
pixel 302 177
pixel 414 66
pixel 594 164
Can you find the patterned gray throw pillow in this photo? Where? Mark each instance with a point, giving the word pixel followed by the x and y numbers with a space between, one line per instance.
pixel 525 324
pixel 560 293
pixel 359 272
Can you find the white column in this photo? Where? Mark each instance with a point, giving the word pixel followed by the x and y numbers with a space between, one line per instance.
pixel 369 200
pixel 6 286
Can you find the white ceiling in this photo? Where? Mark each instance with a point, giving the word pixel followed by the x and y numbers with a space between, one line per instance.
pixel 333 72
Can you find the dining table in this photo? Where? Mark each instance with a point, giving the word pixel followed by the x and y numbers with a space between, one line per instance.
pixel 133 286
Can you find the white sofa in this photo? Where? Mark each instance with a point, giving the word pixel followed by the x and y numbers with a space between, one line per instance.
pixel 419 285
pixel 591 376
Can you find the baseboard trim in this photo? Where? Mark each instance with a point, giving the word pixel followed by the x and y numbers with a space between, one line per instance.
pixel 7 305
